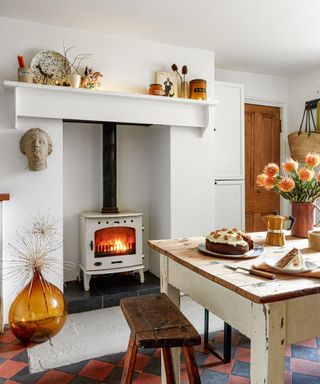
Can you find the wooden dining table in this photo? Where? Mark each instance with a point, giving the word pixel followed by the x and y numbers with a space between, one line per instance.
pixel 272 313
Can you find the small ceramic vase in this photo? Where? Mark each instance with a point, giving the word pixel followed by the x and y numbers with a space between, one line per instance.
pixel 75 80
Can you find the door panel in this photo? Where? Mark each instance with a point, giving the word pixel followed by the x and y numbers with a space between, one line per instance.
pixel 262 146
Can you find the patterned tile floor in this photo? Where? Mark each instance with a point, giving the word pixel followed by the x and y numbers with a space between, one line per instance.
pixel 302 365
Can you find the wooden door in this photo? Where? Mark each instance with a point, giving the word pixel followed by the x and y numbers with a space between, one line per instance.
pixel 262 146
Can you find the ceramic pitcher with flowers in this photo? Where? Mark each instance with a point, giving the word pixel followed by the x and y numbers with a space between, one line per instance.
pixel 299 185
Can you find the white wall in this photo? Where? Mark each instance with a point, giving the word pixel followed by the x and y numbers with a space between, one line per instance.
pixel 30 192
pixel 133 188
pixel 301 87
pixel 257 86
pixel 127 65
pixel 82 185
pixel 160 190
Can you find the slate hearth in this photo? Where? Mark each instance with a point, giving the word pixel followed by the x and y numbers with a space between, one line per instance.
pixel 107 290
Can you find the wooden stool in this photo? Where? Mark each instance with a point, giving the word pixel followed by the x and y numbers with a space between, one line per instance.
pixel 155 322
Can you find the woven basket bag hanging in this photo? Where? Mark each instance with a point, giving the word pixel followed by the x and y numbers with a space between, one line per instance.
pixel 301 143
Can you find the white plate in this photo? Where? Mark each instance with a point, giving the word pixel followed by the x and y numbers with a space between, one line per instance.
pixel 271 261
pixel 255 252
pixel 53 64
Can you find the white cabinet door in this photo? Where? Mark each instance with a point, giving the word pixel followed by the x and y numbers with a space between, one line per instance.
pixel 229 204
pixel 229 131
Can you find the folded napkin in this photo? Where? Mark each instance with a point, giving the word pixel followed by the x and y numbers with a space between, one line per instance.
pixel 265 267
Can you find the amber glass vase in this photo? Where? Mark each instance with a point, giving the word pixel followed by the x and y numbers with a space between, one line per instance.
pixel 38 312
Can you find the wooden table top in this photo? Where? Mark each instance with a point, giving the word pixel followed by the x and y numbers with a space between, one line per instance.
pixel 185 252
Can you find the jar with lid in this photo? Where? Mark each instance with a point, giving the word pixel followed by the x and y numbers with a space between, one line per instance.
pixel 198 89
pixel 155 89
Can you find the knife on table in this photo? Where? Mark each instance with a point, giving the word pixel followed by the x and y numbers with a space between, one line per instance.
pixel 266 275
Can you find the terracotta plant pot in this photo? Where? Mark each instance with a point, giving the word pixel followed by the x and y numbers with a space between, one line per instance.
pixel 304 215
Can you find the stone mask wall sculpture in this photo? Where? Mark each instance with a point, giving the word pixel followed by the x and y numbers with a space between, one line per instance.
pixel 36 144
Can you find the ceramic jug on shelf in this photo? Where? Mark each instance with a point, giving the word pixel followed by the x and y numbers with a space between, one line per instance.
pixel 276 224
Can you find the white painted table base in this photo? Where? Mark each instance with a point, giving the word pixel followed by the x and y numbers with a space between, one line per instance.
pixel 269 326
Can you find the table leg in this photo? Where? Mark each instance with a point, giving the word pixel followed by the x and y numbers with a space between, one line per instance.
pixel 268 343
pixel 174 295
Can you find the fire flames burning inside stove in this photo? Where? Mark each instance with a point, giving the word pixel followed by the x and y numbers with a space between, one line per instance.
pixel 115 241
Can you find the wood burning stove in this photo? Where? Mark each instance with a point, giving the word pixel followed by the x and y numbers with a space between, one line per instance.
pixel 110 243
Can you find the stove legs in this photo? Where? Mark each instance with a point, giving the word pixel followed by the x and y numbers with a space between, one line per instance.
pixel 85 277
pixel 86 281
pixel 141 273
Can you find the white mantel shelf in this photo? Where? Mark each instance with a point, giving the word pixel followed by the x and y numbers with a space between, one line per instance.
pixel 66 103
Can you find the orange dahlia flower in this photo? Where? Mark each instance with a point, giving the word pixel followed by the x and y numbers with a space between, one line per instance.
pixel 305 174
pixel 318 177
pixel 287 184
pixel 290 165
pixel 271 169
pixel 312 159
pixel 269 182
pixel 261 179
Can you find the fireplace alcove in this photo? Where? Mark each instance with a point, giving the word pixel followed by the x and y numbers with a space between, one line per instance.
pixel 59 104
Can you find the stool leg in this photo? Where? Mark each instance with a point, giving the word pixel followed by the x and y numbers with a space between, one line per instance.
pixel 191 364
pixel 206 328
pixel 130 361
pixel 227 343
pixel 168 364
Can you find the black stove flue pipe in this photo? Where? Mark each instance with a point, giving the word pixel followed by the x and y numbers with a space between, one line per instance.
pixel 109 164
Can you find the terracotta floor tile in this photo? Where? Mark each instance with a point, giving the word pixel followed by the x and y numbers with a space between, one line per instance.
pixel 221 367
pixel 238 380
pixel 243 354
pixel 288 378
pixel 211 360
pixel 305 366
pixel 288 350
pixel 7 337
pixel 97 370
pixel 145 378
pixel 10 368
pixel 11 382
pixel 141 362
pixel 308 343
pixel 219 337
pixel 157 353
pixel 56 377
pixel 183 374
pixel 10 350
